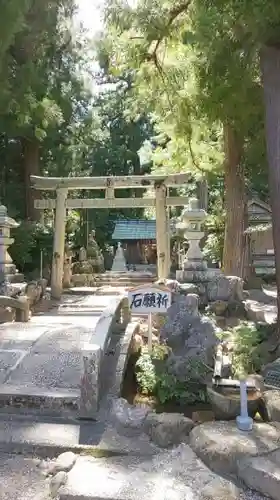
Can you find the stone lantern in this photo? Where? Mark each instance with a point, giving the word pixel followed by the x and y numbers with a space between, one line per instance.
pixel 190 225
pixel 7 268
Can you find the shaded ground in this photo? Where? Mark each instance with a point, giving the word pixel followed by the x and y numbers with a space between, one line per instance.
pixel 20 479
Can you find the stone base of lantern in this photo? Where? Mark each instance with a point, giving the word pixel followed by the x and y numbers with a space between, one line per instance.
pixel 195 270
pixel 195 265
pixel 11 273
pixel 196 275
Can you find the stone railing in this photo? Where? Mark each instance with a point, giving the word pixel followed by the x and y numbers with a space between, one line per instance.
pixel 131 330
pixel 22 299
pixel 20 304
pixel 113 320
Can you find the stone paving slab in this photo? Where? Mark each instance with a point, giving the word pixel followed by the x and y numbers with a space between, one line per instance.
pixel 22 335
pixel 21 479
pixel 35 391
pixel 46 352
pixel 50 437
pixel 9 359
pixel 60 369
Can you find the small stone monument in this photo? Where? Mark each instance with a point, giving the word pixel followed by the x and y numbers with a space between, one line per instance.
pixel 82 254
pixel 119 263
pixel 94 254
pixel 8 271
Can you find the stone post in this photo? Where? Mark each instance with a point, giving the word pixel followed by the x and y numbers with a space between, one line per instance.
pixel 3 283
pixel 168 237
pixel 163 256
pixel 90 382
pixel 6 264
pixel 58 244
pixel 243 421
pixel 202 193
pixel 67 268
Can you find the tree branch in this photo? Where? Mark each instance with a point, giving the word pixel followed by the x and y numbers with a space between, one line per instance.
pixel 173 14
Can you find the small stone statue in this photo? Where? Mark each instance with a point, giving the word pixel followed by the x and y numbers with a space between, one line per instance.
pixel 82 254
pixel 94 254
pixel 93 248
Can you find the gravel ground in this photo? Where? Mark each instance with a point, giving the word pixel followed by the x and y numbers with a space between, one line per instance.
pixel 20 479
pixel 252 495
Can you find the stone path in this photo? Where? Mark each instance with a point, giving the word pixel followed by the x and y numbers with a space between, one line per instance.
pixel 42 358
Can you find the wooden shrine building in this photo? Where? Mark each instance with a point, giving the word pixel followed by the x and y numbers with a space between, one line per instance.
pixel 261 240
pixel 138 238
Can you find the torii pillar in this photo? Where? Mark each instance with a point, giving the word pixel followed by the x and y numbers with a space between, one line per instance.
pixel 58 243
pixel 162 231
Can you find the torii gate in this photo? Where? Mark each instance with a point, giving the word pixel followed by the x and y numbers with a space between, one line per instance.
pixel 61 203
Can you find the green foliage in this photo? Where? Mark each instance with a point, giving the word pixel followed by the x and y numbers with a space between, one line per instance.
pixel 189 77
pixel 30 240
pixel 248 355
pixel 154 379
pixel 146 375
pixel 51 123
pixel 196 66
pixel 215 227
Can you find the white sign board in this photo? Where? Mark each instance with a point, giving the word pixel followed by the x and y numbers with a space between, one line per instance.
pixel 149 299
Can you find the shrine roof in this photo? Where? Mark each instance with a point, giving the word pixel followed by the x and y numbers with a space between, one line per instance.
pixel 134 229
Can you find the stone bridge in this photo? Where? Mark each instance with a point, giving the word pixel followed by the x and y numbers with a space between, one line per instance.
pixel 66 362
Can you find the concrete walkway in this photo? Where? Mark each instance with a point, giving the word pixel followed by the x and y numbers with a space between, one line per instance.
pixel 43 357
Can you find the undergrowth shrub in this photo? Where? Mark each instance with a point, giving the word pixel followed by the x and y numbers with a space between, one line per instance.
pixel 154 379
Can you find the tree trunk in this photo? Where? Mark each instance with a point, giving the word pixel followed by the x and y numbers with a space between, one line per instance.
pixel 31 158
pixel 202 193
pixel 235 257
pixel 270 66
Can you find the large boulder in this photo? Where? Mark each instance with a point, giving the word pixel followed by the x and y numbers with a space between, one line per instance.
pixel 262 473
pixel 82 268
pixel 221 444
pixel 272 404
pixel 35 291
pixel 172 285
pixel 220 489
pixel 190 334
pixel 129 415
pixel 225 288
pixel 64 462
pixel 167 429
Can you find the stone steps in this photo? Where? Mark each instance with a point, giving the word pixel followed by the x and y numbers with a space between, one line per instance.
pixel 32 400
pixel 125 284
pixel 121 281
pixel 48 437
pixel 15 278
pixel 126 278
